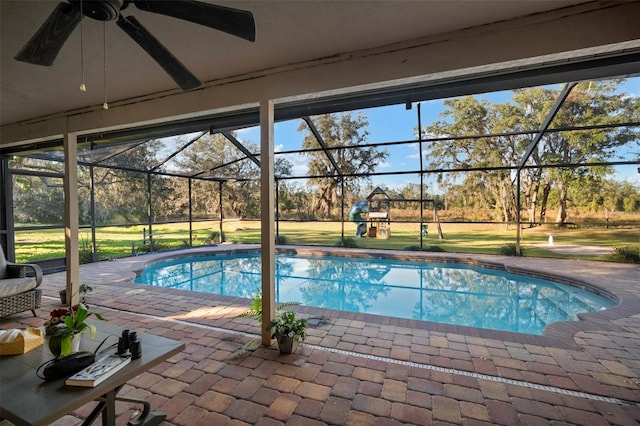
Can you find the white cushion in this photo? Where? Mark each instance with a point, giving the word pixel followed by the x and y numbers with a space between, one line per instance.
pixel 3 264
pixel 11 286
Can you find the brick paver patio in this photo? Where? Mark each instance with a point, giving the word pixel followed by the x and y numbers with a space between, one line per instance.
pixel 363 369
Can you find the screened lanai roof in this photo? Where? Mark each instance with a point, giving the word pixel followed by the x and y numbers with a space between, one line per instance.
pixel 105 148
pixel 241 142
pixel 288 33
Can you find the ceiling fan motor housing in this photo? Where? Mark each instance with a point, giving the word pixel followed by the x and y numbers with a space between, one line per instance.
pixel 100 10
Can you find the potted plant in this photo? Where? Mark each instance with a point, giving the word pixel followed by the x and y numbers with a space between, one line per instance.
pixel 287 330
pixel 65 326
pixel 84 288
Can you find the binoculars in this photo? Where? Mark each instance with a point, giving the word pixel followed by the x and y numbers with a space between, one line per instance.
pixel 129 342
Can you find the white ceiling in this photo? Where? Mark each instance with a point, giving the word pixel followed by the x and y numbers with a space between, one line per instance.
pixel 288 32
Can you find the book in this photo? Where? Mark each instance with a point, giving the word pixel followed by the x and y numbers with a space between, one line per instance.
pixel 99 371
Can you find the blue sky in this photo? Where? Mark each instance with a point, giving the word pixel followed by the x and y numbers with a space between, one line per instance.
pixel 396 123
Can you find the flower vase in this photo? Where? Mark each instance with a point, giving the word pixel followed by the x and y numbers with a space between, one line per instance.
pixel 75 343
pixel 55 344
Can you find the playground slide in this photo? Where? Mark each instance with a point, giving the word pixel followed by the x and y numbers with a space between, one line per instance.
pixel 355 215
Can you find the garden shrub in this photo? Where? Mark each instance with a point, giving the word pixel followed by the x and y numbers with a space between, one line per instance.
pixel 152 248
pixel 629 254
pixel 510 250
pixel 85 250
pixel 432 248
pixel 214 237
pixel 348 242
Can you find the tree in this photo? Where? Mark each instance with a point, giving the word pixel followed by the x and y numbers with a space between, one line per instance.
pixel 490 154
pixel 344 135
pixel 213 159
pixel 494 150
pixel 293 200
pixel 121 195
pixel 37 200
pixel 588 104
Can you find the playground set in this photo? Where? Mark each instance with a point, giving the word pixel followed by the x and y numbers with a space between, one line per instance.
pixel 372 218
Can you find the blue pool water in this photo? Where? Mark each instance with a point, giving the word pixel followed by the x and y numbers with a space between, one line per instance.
pixel 426 291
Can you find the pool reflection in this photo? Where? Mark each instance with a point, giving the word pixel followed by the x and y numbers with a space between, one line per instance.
pixel 445 293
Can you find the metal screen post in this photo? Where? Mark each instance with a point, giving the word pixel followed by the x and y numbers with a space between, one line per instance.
pixel 220 185
pixel 421 175
pixel 92 196
pixel 149 212
pixel 190 181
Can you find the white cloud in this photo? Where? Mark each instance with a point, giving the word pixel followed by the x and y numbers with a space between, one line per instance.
pixel 634 180
pixel 300 164
pixel 249 134
pixel 629 174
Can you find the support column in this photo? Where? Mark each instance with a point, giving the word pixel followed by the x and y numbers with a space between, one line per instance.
pixel 71 217
pixel 7 233
pixel 267 214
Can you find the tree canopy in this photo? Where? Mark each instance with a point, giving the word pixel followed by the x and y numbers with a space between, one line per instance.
pixel 487 140
pixel 343 135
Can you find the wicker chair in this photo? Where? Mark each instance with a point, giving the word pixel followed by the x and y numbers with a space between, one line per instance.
pixel 19 291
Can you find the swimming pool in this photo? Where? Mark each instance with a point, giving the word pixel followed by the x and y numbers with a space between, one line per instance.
pixel 426 291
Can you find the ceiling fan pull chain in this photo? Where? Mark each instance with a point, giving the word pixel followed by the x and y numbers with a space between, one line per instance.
pixel 105 105
pixel 83 88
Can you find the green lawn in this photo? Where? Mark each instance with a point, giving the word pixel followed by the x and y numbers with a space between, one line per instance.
pixel 116 242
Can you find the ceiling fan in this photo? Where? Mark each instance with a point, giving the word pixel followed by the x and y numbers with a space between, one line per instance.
pixel 44 45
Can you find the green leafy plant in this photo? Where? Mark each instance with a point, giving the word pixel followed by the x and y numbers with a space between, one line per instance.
pixel 348 242
pixel 433 248
pixel 286 324
pixel 82 290
pixel 64 324
pixel 255 310
pixel 152 247
pixel 217 237
pixel 85 250
pixel 625 254
pixel 510 250
pixel 85 288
